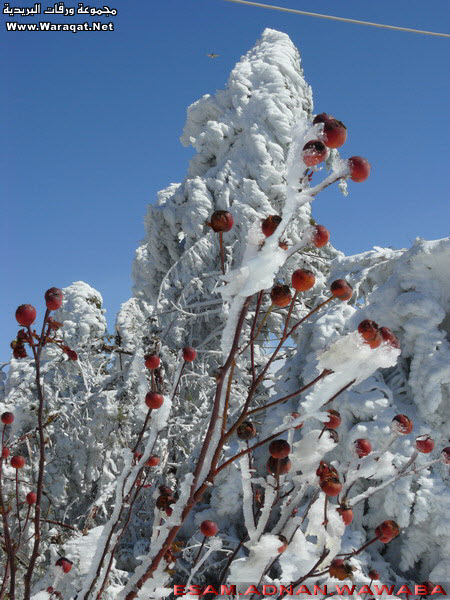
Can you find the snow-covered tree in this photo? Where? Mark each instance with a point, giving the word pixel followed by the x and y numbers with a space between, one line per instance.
pixel 144 458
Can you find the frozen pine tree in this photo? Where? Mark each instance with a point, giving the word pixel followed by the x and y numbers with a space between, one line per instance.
pixel 143 460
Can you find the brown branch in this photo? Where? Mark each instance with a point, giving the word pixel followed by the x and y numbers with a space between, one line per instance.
pixel 40 482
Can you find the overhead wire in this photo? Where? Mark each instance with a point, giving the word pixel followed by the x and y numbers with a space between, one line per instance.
pixel 334 18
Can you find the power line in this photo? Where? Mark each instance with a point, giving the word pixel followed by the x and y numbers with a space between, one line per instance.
pixel 342 19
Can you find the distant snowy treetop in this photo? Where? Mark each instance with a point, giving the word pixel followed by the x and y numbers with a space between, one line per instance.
pixel 242 136
pixel 82 314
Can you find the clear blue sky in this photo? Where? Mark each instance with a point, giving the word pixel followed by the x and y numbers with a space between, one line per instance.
pixel 91 125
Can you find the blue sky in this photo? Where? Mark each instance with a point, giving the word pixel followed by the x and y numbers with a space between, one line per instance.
pixel 91 125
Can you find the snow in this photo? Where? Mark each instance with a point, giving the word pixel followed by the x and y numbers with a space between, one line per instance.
pixel 248 140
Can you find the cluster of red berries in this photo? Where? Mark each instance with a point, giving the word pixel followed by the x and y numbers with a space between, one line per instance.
pixel 302 281
pixel 319 238
pixel 17 461
pixel 403 425
pixel 153 399
pixel 152 461
pixel 375 335
pixel 26 315
pixel 334 136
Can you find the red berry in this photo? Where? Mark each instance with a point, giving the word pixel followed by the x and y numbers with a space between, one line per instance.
pixel 376 342
pixel 313 153
pixel 165 490
pixel 154 400
pixel 246 430
pixel 31 498
pixel 341 289
pixel 362 447
pixel 53 298
pixel 163 501
pixel 72 354
pixel 346 514
pixel 335 419
pixel 19 351
pixel 359 168
pixel 402 424
pixel 387 531
pixel 284 545
pixel 331 486
pixel 321 118
pixel 374 575
pixel 281 295
pixel 389 337
pixel 279 448
pixel 64 563
pixel 152 361
pixel 325 470
pixel 335 133
pixel 278 466
pixel 189 354
pixel 445 455
pixel 221 220
pixel 7 418
pixel 303 280
pixel 152 461
pixel 18 462
pixel 424 444
pixel 269 224
pixel 368 329
pixel 295 415
pixel 137 456
pixel 340 569
pixel 320 236
pixel 209 528
pixel 5 452
pixel 26 315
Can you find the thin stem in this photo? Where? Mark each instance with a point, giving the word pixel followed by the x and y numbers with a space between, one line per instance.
pixel 227 397
pixel 230 559
pixel 17 506
pixel 350 383
pixel 8 542
pixel 356 552
pixel 311 572
pixel 178 381
pixel 40 482
pixel 314 310
pixel 141 433
pixel 222 254
pixel 199 552
pixel 261 325
pixel 306 387
pixel 291 308
pixel 5 579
